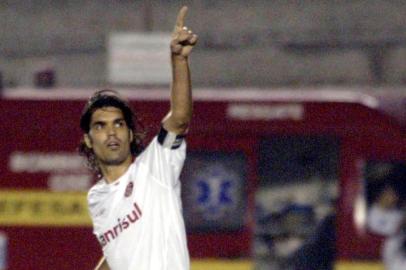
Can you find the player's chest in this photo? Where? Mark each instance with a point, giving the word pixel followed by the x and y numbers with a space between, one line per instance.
pixel 129 204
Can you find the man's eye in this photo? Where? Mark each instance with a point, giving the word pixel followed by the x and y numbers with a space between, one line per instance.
pixel 120 124
pixel 98 126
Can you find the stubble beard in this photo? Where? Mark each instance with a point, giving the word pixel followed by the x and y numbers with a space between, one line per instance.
pixel 114 161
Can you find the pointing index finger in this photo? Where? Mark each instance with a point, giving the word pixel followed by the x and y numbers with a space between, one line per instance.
pixel 181 17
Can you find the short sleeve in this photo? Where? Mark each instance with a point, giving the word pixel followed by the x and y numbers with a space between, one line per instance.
pixel 164 157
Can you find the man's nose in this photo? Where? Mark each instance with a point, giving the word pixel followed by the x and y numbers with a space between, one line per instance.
pixel 111 130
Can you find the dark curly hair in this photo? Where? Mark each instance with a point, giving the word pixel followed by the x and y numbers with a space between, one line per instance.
pixel 110 98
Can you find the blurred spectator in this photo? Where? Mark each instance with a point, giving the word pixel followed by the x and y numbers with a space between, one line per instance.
pixel 394 247
pixel 318 251
pixel 45 78
pixel 387 198
pixel 384 216
pixel 394 250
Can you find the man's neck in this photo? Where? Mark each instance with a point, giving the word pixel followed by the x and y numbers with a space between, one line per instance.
pixel 112 172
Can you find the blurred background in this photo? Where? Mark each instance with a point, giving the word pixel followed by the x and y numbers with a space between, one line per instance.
pixel 266 43
pixel 297 150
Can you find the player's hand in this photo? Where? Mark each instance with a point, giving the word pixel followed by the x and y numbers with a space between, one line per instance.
pixel 183 39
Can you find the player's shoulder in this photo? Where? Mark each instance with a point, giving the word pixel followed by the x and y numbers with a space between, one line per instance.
pixel 96 192
pixel 100 184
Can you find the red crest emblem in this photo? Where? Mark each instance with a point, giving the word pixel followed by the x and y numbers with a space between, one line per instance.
pixel 129 189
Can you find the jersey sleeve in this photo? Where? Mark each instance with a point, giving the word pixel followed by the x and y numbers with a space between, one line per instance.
pixel 164 157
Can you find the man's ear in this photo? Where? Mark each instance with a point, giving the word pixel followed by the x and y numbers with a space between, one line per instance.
pixel 131 136
pixel 88 140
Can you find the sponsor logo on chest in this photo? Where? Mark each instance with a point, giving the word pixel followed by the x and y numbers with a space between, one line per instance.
pixel 122 224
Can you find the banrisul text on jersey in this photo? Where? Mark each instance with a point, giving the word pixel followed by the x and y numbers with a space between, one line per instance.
pixel 122 224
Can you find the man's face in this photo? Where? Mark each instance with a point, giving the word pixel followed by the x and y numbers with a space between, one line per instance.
pixel 109 136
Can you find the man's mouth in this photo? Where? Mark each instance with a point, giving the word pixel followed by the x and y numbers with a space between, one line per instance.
pixel 113 145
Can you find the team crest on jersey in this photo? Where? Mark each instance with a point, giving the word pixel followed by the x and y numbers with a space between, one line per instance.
pixel 129 189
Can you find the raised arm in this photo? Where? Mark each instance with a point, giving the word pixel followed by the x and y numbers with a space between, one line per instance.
pixel 182 43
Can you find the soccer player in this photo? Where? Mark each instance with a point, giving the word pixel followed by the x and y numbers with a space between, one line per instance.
pixel 136 206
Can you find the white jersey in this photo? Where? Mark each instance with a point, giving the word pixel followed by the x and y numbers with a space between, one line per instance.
pixel 138 218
